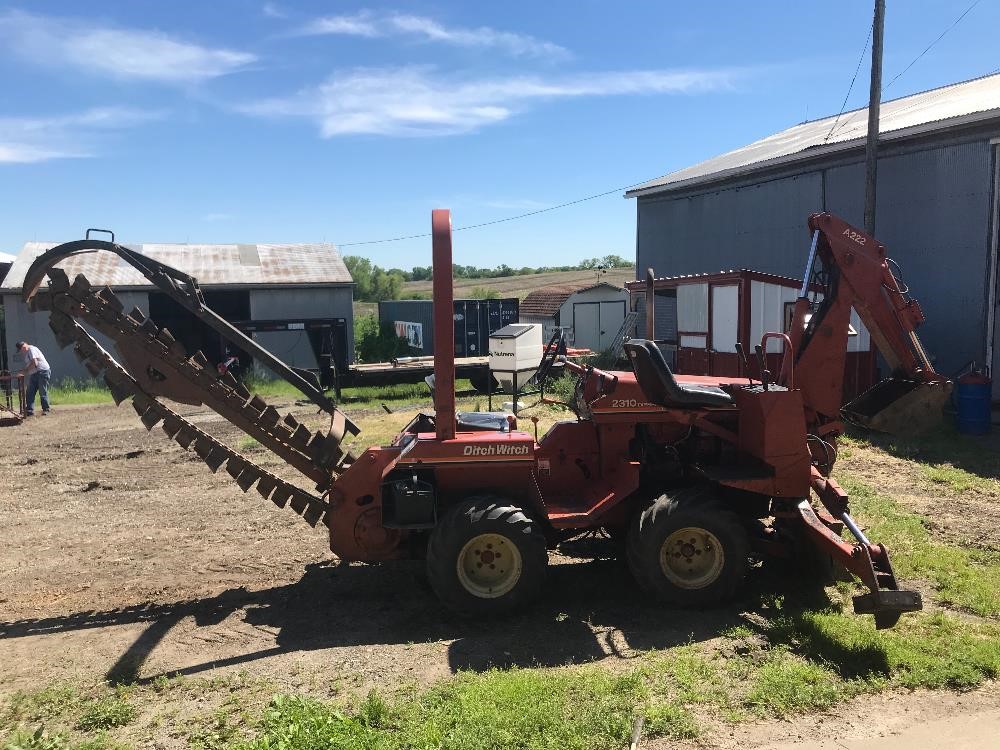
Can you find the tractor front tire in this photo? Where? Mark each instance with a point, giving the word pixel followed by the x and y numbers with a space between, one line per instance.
pixel 687 549
pixel 486 557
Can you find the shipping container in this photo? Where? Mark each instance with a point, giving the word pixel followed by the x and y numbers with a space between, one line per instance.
pixel 475 320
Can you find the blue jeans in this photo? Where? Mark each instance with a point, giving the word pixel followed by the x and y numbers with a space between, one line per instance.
pixel 38 382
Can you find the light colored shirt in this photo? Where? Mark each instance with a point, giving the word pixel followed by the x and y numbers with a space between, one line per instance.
pixel 34 360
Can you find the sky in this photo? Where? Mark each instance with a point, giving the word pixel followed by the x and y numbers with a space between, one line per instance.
pixel 249 121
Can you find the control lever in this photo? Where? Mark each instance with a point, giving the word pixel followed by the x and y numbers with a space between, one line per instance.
pixel 743 357
pixel 765 375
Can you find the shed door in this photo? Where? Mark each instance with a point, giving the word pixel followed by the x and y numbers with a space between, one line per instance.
pixel 724 316
pixel 611 319
pixel 587 325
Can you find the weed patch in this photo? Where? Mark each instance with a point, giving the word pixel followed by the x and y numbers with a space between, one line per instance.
pixel 107 713
pixel 964 578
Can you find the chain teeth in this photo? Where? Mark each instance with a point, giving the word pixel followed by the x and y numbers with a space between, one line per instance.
pixel 41 301
pixel 65 300
pixel 80 288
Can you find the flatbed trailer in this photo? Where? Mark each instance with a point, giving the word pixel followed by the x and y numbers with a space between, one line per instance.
pixel 389 373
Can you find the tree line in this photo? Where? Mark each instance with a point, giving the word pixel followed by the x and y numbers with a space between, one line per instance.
pixel 373 283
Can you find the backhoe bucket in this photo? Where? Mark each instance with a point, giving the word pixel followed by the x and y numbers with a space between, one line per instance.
pixel 900 407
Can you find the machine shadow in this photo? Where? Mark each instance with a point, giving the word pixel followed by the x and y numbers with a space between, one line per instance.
pixel 976 454
pixel 590 611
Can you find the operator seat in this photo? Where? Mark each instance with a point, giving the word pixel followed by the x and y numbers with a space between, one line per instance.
pixel 659 384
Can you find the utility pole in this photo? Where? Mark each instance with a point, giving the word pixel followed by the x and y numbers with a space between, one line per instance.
pixel 874 100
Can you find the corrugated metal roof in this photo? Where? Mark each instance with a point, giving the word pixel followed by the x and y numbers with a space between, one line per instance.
pixel 660 281
pixel 546 301
pixel 967 102
pixel 211 265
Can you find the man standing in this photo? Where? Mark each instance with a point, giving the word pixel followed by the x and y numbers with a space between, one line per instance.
pixel 39 374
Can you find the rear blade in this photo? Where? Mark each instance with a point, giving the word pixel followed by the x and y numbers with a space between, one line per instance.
pixel 900 407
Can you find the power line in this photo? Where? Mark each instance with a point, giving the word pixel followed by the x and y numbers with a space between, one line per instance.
pixel 498 221
pixel 912 62
pixel 850 88
pixel 833 128
pixel 943 33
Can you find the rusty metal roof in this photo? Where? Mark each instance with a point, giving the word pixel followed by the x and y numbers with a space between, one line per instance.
pixel 546 301
pixel 212 265
pixel 966 103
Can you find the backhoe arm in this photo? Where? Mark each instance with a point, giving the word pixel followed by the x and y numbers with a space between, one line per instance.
pixel 856 273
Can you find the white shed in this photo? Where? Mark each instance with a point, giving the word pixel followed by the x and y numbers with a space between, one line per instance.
pixel 591 314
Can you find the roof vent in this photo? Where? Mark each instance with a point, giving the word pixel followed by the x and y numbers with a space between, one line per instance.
pixel 248 255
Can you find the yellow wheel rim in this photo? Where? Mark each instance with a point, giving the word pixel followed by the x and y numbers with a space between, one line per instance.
pixel 489 566
pixel 692 558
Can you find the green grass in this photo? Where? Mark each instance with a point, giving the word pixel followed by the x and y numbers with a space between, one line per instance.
pixel 41 739
pixel 32 715
pixel 788 658
pixel 107 713
pixel 521 708
pixel 959 479
pixel 73 392
pixel 800 660
pixel 249 444
pixel 945 457
pixel 963 577
pixel 80 392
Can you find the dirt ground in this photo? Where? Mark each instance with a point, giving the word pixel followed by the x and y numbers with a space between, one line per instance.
pixel 922 720
pixel 123 556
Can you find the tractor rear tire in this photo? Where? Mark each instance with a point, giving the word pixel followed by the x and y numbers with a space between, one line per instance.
pixel 486 557
pixel 688 549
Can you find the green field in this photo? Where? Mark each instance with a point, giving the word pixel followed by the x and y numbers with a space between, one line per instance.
pixel 520 286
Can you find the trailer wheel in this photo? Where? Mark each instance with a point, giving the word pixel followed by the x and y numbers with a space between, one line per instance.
pixel 686 548
pixel 486 557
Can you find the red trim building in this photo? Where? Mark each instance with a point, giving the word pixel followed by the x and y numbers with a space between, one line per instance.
pixel 704 316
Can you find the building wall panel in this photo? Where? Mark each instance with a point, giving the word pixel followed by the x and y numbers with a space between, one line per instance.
pixel 933 214
pixel 288 304
pixel 760 226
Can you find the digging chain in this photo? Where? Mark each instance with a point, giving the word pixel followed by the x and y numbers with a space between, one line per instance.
pixel 318 455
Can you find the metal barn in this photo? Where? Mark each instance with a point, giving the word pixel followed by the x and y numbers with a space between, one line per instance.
pixel 705 315
pixel 295 300
pixel 937 207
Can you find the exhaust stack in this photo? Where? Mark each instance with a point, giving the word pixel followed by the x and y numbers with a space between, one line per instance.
pixel 444 325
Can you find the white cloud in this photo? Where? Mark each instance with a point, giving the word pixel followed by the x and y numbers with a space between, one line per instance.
pixel 273 10
pixel 368 24
pixel 26 140
pixel 114 52
pixel 359 24
pixel 24 153
pixel 414 101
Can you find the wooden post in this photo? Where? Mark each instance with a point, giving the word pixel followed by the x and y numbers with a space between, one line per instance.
pixel 874 102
